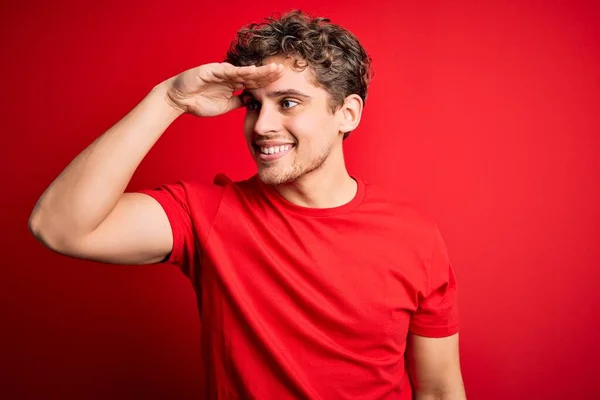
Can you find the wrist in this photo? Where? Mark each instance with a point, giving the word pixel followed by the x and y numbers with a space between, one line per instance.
pixel 161 93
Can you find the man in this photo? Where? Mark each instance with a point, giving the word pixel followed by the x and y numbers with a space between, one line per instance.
pixel 311 283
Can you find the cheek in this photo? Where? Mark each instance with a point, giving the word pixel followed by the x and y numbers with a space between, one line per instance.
pixel 249 121
pixel 312 129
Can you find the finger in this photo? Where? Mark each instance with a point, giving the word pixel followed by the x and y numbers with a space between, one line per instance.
pixel 268 72
pixel 265 77
pixel 210 73
pixel 228 72
pixel 240 74
pixel 269 69
pixel 257 73
pixel 256 84
pixel 234 86
pixel 215 73
pixel 237 86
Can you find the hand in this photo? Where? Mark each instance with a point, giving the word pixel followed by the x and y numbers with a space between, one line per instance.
pixel 207 90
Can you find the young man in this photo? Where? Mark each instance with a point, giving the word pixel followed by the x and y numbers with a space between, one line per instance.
pixel 311 283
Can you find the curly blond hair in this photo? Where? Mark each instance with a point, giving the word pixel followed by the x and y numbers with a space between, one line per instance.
pixel 338 62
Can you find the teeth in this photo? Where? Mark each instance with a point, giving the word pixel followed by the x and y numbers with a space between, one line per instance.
pixel 275 149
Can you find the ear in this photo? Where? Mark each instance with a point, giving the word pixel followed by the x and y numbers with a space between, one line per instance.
pixel 350 113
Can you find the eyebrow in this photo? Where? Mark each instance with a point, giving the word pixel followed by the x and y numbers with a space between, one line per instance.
pixel 278 93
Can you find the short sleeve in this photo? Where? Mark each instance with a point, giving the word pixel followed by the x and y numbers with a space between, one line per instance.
pixel 437 312
pixel 191 209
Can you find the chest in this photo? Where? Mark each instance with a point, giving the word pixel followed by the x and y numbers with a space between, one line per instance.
pixel 355 282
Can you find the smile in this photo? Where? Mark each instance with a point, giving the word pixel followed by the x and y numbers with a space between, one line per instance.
pixel 275 149
pixel 272 153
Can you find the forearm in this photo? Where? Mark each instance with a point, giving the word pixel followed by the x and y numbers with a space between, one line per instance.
pixel 88 189
pixel 457 394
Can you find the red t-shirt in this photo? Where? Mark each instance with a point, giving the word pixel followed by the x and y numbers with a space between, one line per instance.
pixel 308 303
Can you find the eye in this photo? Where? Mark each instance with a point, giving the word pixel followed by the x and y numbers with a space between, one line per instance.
pixel 252 105
pixel 286 103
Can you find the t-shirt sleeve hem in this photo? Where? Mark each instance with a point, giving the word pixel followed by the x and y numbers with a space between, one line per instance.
pixel 435 332
pixel 169 208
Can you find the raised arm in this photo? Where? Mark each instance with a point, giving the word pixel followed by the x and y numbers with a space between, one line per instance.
pixel 85 213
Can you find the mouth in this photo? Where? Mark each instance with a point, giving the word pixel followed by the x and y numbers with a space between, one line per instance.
pixel 272 153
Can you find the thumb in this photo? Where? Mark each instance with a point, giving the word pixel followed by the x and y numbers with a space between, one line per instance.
pixel 234 103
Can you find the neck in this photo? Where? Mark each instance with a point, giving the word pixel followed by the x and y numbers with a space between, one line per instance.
pixel 326 187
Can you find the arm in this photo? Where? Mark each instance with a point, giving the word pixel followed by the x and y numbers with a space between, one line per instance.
pixel 434 368
pixel 85 213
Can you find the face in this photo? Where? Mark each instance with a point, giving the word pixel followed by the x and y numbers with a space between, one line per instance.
pixel 289 126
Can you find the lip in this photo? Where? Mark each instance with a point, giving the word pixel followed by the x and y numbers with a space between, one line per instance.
pixel 275 156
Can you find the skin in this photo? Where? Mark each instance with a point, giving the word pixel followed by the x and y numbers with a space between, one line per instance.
pixel 434 367
pixel 85 212
pixel 313 172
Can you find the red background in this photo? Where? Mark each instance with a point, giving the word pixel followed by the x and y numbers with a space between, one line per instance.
pixel 485 113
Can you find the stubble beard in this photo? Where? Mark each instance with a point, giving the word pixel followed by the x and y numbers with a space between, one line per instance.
pixel 273 174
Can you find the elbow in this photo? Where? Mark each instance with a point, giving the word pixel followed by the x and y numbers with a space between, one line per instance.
pixel 37 219
pixel 34 224
pixel 50 238
pixel 38 232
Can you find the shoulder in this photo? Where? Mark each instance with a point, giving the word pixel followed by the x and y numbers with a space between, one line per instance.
pixel 392 202
pixel 220 185
pixel 194 195
pixel 237 188
pixel 386 208
pixel 244 194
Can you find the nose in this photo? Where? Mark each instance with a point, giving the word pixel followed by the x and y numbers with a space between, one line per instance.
pixel 268 120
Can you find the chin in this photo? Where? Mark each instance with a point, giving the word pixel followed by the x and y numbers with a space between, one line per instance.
pixel 275 176
pixel 282 172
